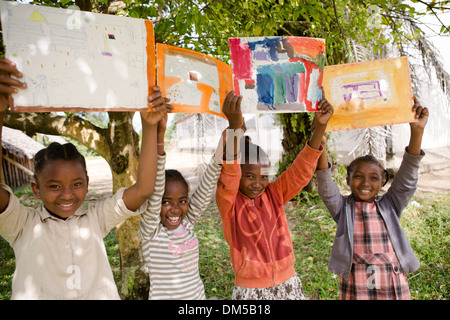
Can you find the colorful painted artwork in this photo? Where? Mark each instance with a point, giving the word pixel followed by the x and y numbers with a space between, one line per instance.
pixel 194 82
pixel 78 61
pixel 369 94
pixel 278 74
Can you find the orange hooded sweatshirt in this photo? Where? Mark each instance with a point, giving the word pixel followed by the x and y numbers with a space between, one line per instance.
pixel 256 229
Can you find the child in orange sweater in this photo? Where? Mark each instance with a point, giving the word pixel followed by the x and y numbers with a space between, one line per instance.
pixel 252 212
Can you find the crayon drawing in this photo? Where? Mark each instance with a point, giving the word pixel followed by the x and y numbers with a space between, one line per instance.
pixel 278 74
pixel 78 61
pixel 369 94
pixel 194 82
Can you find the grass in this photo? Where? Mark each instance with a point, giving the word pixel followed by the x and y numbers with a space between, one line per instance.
pixel 425 221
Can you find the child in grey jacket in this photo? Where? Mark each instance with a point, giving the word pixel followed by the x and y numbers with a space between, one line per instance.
pixel 371 253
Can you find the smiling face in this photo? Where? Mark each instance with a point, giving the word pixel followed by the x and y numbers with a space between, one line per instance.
pixel 365 181
pixel 174 204
pixel 254 179
pixel 62 186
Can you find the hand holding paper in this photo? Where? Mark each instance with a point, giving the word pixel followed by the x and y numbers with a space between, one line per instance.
pixel 321 118
pixel 158 106
pixel 8 85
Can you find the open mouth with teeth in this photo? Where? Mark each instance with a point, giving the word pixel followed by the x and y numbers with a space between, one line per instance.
pixel 174 220
pixel 66 206
pixel 365 194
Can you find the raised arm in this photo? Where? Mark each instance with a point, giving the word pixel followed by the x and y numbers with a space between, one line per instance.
pixel 8 86
pixel 404 184
pixel 321 118
pixel 138 193
pixel 232 110
pixel 417 128
pixel 228 184
pixel 322 163
pixel 326 187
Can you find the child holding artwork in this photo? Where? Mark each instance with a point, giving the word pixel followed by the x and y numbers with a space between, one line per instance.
pixel 170 248
pixel 371 253
pixel 253 217
pixel 58 245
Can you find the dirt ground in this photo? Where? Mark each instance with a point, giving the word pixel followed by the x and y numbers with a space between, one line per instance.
pixel 100 181
pixel 437 181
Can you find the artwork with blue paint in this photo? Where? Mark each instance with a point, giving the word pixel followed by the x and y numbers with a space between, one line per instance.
pixel 278 74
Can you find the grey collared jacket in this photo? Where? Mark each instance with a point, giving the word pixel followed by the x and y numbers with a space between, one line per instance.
pixel 390 205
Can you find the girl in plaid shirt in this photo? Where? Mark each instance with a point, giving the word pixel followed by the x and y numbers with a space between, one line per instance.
pixel 371 253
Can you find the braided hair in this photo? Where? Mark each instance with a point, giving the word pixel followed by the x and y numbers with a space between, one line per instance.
pixel 57 151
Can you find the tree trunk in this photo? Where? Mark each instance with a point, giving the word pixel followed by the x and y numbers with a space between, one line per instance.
pixel 124 163
pixel 296 132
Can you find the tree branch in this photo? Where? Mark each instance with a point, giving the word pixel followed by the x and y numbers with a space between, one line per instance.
pixel 71 126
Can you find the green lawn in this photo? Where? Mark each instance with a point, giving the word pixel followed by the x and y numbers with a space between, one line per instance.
pixel 426 222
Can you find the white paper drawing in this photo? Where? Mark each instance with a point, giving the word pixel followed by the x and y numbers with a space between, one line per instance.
pixel 76 60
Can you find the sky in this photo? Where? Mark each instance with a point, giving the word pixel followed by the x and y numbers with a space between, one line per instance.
pixel 442 43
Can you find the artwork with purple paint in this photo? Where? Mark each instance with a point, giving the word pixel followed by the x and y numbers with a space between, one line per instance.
pixel 278 74
pixel 369 94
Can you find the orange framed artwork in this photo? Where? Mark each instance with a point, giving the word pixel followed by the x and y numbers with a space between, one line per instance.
pixel 194 82
pixel 369 94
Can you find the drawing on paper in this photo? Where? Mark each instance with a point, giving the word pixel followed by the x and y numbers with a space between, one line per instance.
pixel 278 74
pixel 194 82
pixel 74 60
pixel 368 94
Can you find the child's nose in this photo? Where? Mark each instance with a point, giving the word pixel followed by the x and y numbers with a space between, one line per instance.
pixel 258 183
pixel 66 192
pixel 175 208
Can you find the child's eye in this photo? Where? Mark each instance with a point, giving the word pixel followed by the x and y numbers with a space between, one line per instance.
pixel 78 184
pixel 183 201
pixel 54 186
pixel 165 203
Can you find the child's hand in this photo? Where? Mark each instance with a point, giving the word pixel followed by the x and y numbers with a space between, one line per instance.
pixel 323 115
pixel 323 142
pixel 417 128
pixel 159 107
pixel 421 114
pixel 321 118
pixel 232 110
pixel 8 85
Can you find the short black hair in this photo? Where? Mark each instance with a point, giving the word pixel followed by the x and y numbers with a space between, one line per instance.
pixel 252 153
pixel 175 175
